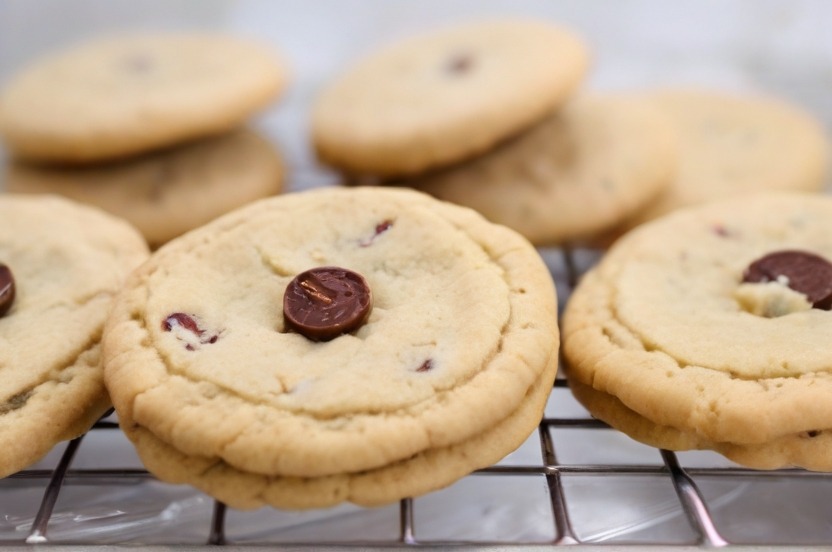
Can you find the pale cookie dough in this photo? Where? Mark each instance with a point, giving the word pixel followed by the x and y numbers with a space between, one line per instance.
pixel 581 171
pixel 120 96
pixel 68 261
pixel 738 145
pixel 665 325
pixel 166 193
pixel 445 96
pixel 463 325
pixel 427 471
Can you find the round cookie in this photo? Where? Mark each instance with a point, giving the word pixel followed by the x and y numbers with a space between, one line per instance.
pixel 169 192
pixel 427 471
pixel 579 172
pixel 463 325
pixel 672 339
pixel 66 261
pixel 736 145
pixel 445 96
pixel 120 96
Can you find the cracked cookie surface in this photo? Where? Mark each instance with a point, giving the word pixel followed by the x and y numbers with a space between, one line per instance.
pixel 666 342
pixel 444 96
pixel 68 262
pixel 463 325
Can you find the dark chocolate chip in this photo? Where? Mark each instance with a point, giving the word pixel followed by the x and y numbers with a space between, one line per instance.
pixel 459 64
pixel 6 289
pixel 812 433
pixel 325 302
pixel 803 272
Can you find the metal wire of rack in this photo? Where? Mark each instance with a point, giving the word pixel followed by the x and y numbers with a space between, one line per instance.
pixel 692 501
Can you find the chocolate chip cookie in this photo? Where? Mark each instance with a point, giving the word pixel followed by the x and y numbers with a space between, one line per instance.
pixel 707 329
pixel 445 96
pixel 580 172
pixel 357 344
pixel 119 96
pixel 60 266
pixel 737 145
pixel 166 193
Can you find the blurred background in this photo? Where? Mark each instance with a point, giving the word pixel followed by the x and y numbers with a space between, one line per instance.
pixel 782 47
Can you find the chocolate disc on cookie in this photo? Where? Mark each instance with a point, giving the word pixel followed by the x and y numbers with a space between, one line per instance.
pixel 325 302
pixel 804 272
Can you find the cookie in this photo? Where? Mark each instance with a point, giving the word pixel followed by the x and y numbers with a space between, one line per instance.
pixel 810 449
pixel 580 172
pixel 60 266
pixel 121 96
pixel 704 329
pixel 737 145
pixel 169 192
pixel 445 96
pixel 462 328
pixel 429 470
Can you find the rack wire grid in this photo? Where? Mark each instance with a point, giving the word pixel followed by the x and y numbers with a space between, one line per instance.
pixel 701 528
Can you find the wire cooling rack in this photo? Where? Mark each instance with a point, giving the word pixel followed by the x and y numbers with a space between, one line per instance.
pixel 689 517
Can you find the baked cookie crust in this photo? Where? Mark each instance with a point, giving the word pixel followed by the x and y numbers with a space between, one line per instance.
pixel 463 325
pixel 444 96
pixel 583 170
pixel 68 262
pixel 119 96
pixel 166 193
pixel 664 328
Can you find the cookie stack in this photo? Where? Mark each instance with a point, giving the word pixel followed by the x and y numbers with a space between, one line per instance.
pixel 485 115
pixel 61 264
pixel 147 126
pixel 340 344
pixel 706 329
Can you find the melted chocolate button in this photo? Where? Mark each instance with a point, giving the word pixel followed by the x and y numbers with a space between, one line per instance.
pixel 6 289
pixel 323 303
pixel 803 272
